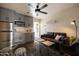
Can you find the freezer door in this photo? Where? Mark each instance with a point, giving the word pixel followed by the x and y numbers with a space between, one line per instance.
pixel 4 39
pixel 4 26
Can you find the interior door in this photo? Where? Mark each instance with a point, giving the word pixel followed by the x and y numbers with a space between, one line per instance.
pixel 36 29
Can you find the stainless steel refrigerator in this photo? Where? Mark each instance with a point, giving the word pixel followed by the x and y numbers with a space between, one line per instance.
pixel 6 34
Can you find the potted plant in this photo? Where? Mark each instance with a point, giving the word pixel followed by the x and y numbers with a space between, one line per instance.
pixel 72 39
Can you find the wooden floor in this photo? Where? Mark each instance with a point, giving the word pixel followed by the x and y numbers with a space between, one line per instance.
pixel 37 49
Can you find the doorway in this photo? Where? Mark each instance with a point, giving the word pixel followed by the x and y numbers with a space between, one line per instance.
pixel 36 30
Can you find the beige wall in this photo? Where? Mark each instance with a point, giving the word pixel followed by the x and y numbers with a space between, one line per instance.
pixel 64 19
pixel 21 8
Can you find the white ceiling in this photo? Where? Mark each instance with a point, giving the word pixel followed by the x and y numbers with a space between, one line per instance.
pixel 18 7
pixel 52 9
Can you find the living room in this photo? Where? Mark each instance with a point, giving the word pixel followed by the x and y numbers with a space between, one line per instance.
pixel 38 28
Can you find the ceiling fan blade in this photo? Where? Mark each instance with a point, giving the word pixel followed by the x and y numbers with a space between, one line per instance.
pixel 43 6
pixel 42 12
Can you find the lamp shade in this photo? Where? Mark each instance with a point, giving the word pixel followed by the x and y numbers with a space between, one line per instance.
pixel 73 22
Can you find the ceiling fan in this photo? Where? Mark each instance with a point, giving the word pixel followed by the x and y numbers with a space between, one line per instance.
pixel 38 9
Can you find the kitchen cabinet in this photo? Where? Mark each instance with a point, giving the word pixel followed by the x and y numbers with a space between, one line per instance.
pixel 19 17
pixel 19 38
pixel 28 37
pixel 28 21
pixel 19 20
pixel 6 14
pixel 31 22
pixel 12 16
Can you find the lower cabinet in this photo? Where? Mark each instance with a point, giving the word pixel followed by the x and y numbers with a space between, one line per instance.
pixel 19 38
pixel 28 37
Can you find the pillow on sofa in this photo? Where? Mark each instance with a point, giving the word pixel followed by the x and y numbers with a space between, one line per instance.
pixel 57 37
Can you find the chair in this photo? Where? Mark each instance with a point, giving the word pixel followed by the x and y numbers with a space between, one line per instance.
pixel 5 51
pixel 20 51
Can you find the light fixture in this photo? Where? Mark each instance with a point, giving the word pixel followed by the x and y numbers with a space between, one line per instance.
pixel 72 23
pixel 37 14
pixel 75 23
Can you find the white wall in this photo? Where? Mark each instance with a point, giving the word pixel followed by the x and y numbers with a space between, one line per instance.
pixel 64 19
pixel 43 29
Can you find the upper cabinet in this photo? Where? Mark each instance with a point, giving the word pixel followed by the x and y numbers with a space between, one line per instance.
pixel 19 20
pixel 19 17
pixel 13 16
pixel 28 21
pixel 6 14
